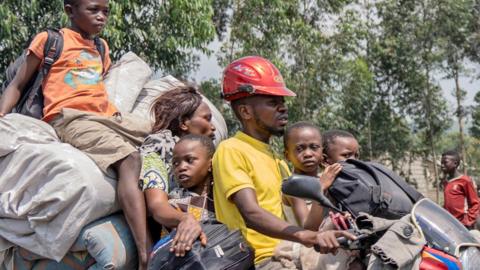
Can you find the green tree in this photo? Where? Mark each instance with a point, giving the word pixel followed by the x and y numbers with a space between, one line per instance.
pixel 328 67
pixel 406 57
pixel 472 151
pixel 21 20
pixel 475 128
pixel 164 33
pixel 368 108
pixel 289 34
pixel 456 21
pixel 211 89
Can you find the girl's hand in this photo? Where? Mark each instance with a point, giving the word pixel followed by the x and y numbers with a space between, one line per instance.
pixel 187 232
pixel 329 175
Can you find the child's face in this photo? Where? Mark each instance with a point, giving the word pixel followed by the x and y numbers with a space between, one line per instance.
pixel 201 122
pixel 449 164
pixel 88 16
pixel 304 150
pixel 341 149
pixel 191 165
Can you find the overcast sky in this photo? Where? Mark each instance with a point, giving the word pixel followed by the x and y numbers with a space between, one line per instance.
pixel 469 85
pixel 209 67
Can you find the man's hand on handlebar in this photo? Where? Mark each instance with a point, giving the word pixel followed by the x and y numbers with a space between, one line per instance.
pixel 328 240
pixel 324 241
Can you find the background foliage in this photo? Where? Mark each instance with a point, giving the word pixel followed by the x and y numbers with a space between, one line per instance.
pixel 164 33
pixel 370 67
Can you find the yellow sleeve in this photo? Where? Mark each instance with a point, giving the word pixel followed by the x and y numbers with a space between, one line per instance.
pixel 284 170
pixel 230 171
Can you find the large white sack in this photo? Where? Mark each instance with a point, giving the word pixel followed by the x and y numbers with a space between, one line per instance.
pixel 151 90
pixel 17 129
pixel 48 190
pixel 125 80
pixel 221 132
pixel 155 88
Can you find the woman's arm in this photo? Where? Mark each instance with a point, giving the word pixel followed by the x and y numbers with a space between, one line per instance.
pixel 161 210
pixel 188 228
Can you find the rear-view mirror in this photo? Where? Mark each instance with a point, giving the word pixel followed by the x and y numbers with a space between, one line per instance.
pixel 306 187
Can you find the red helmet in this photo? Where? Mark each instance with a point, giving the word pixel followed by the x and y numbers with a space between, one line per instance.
pixel 253 75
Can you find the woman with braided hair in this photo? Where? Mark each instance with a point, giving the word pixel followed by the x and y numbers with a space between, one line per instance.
pixel 182 111
pixel 177 113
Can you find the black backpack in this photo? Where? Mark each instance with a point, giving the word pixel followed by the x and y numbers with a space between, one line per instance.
pixel 372 188
pixel 225 250
pixel 31 98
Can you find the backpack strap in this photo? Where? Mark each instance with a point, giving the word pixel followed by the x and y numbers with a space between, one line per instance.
pixel 101 49
pixel 52 50
pixel 54 46
pixel 412 193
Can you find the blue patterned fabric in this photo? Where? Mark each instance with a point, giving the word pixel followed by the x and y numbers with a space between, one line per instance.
pixel 103 244
pixel 25 260
pixel 110 242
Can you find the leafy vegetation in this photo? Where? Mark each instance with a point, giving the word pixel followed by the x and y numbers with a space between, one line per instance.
pixel 365 66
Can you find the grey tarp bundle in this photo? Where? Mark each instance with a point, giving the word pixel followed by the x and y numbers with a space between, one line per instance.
pixel 154 88
pixel 399 248
pixel 49 190
pixel 132 90
pixel 56 192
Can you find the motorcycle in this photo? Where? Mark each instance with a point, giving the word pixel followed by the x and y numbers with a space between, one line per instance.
pixel 450 246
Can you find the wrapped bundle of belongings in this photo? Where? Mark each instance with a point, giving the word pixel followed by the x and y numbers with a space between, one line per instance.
pixel 57 209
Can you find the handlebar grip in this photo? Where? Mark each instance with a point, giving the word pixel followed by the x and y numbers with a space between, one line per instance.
pixel 342 240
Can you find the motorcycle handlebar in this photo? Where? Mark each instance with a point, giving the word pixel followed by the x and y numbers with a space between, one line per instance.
pixel 342 241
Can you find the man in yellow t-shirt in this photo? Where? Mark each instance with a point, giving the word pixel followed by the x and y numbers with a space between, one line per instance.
pixel 247 175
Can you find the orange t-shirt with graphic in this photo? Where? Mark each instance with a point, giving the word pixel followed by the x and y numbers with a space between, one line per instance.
pixel 75 80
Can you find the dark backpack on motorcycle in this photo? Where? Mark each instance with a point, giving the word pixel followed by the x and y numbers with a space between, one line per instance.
pixel 372 188
pixel 225 250
pixel 31 98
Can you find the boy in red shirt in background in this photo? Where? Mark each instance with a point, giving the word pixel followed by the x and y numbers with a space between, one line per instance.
pixel 460 196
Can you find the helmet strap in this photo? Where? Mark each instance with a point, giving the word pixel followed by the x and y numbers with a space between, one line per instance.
pixel 245 88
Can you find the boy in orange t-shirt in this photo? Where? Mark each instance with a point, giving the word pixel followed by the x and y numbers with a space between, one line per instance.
pixel 76 105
